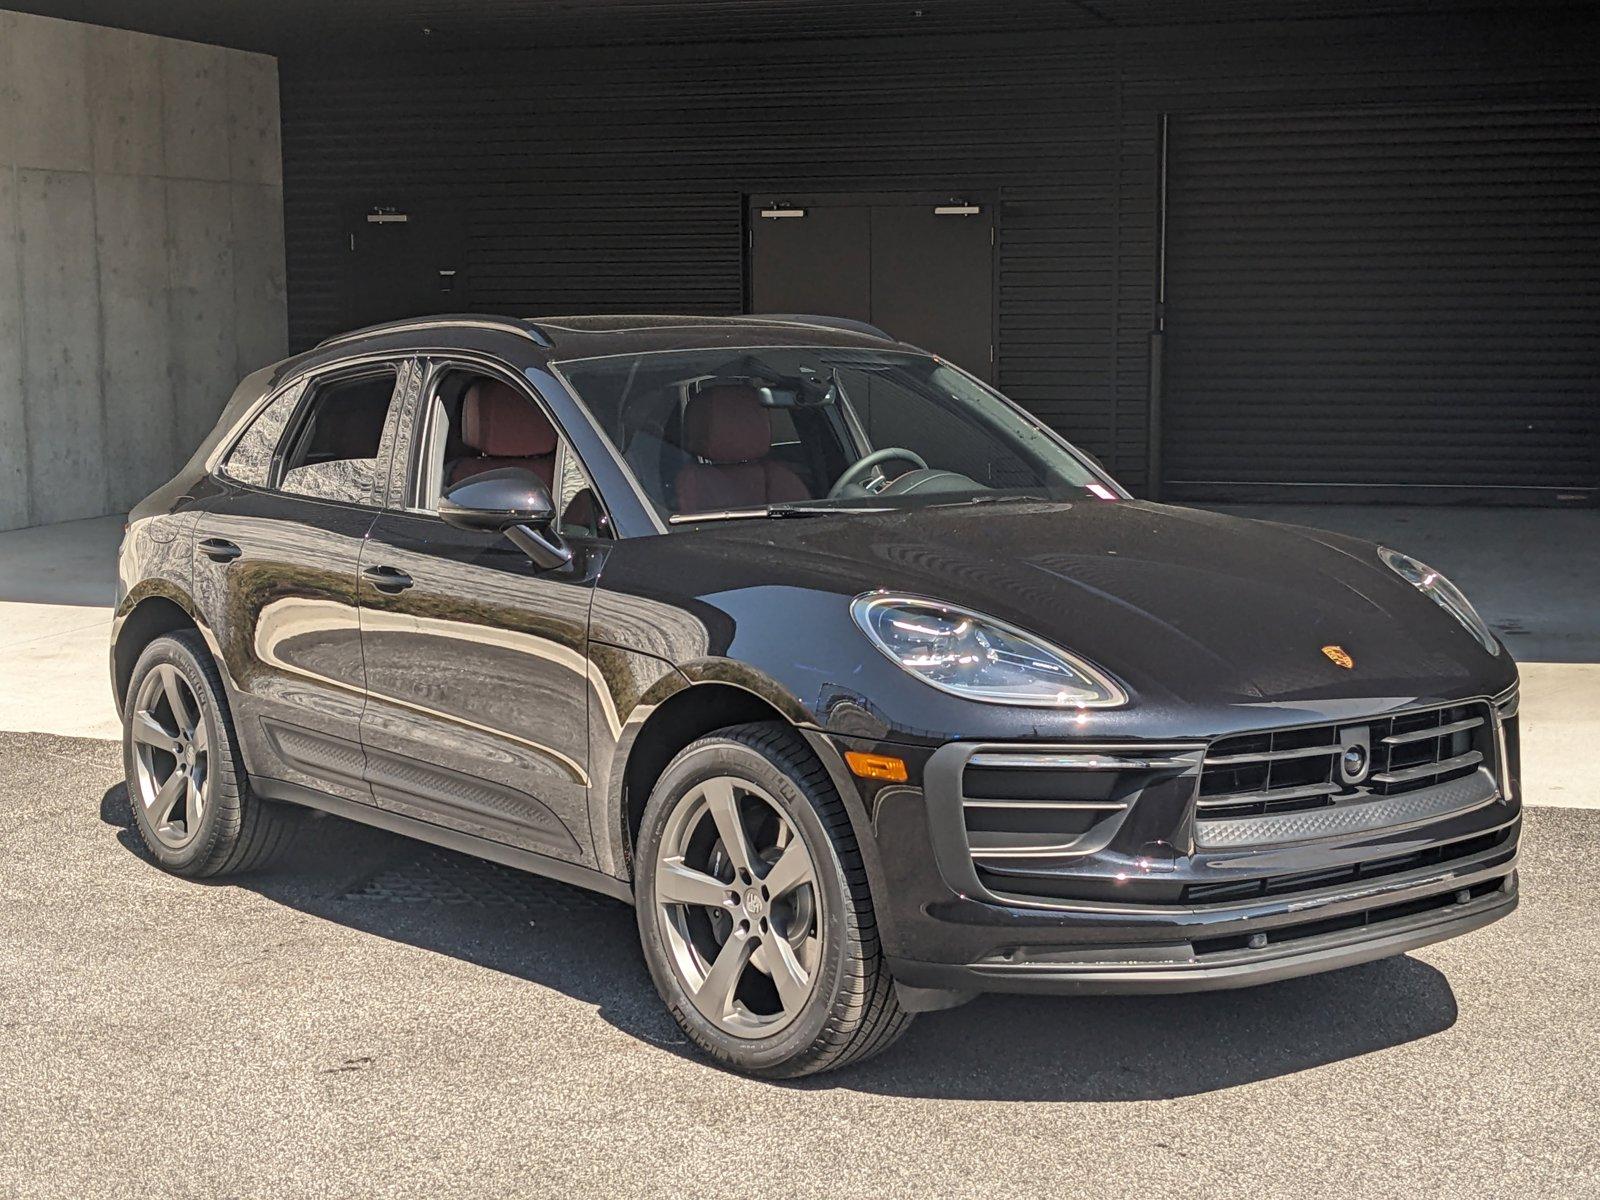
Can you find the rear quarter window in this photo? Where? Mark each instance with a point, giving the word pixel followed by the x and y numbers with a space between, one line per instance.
pixel 250 460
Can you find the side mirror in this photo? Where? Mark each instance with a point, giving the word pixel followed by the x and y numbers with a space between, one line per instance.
pixel 513 501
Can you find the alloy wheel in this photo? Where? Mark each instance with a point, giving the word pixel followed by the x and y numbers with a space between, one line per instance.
pixel 172 762
pixel 739 907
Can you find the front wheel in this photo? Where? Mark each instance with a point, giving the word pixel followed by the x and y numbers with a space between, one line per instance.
pixel 754 911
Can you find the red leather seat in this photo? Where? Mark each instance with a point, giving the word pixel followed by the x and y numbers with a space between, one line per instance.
pixel 727 427
pixel 505 429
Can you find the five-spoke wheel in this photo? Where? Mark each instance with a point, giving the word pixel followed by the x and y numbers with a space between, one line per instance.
pixel 187 786
pixel 171 761
pixel 739 906
pixel 754 910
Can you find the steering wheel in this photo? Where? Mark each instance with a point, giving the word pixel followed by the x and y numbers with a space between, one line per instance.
pixel 855 475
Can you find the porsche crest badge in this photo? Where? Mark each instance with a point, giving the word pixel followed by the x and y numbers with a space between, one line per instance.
pixel 1339 656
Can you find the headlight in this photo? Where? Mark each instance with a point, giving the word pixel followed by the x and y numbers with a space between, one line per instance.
pixel 978 657
pixel 1442 592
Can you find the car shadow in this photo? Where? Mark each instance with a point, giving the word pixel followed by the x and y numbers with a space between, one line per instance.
pixel 995 1048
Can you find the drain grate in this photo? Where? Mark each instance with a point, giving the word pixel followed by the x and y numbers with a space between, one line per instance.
pixel 440 877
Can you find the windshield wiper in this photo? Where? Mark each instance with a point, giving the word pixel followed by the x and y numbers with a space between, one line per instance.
pixel 982 499
pixel 801 508
pixel 772 511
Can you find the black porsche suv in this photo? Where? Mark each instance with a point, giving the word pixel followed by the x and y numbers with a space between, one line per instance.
pixel 869 691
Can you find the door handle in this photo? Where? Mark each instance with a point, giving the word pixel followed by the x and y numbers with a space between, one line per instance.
pixel 387 579
pixel 220 550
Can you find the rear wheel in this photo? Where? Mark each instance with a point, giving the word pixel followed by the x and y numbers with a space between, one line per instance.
pixel 754 911
pixel 187 787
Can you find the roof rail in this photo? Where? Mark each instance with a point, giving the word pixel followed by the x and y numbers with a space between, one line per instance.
pixel 826 322
pixel 498 324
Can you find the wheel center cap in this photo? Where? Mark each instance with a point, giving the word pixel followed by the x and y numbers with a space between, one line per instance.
pixel 753 904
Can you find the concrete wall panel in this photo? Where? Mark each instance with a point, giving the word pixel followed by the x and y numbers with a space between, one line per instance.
pixel 136 319
pixel 49 69
pixel 194 104
pixel 254 140
pixel 13 417
pixel 10 98
pixel 125 101
pixel 141 256
pixel 61 345
pixel 200 264
pixel 258 276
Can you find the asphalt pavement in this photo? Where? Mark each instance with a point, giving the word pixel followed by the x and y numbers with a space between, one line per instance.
pixel 377 1018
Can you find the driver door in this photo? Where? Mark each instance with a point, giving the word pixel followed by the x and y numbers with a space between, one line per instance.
pixel 478 670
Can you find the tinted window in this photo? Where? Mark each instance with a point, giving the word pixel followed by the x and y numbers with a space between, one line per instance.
pixel 333 452
pixel 250 460
pixel 724 431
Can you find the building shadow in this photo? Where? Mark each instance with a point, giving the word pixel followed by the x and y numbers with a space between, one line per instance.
pixel 69 565
pixel 1095 1049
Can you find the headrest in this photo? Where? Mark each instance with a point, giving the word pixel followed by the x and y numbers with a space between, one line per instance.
pixel 499 421
pixel 726 423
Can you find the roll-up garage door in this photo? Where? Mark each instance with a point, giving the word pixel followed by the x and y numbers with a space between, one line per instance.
pixel 1361 301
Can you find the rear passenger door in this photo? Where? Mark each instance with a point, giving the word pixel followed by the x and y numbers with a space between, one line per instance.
pixel 275 572
pixel 477 661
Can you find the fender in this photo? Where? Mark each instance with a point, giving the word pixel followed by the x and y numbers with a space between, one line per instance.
pixel 164 589
pixel 608 771
pixel 753 680
pixel 729 673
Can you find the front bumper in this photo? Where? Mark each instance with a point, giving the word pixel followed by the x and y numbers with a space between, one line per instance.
pixel 1145 903
pixel 1305 943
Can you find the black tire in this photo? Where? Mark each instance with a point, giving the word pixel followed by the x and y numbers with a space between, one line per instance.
pixel 852 1012
pixel 238 830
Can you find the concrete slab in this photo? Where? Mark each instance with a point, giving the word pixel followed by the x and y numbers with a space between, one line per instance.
pixel 260 308
pixel 57 589
pixel 194 108
pixel 14 500
pixel 116 151
pixel 204 353
pixel 49 69
pixel 1561 734
pixel 125 101
pixel 136 329
pixel 70 565
pixel 254 151
pixel 10 97
pixel 61 345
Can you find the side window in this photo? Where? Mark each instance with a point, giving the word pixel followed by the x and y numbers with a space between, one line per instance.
pixel 333 453
pixel 250 460
pixel 476 423
pixel 577 501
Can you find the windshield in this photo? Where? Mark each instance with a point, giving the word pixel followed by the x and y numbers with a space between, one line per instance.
pixel 727 433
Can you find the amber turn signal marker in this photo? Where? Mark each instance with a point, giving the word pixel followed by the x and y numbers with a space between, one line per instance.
pixel 876 766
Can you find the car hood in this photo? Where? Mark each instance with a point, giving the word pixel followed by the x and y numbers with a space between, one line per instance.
pixel 1180 604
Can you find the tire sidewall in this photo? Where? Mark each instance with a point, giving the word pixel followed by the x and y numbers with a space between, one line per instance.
pixel 170 651
pixel 705 760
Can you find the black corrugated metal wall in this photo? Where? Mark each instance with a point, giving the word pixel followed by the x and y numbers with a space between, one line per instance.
pixel 613 179
pixel 1383 298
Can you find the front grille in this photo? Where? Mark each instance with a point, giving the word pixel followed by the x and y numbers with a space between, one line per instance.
pixel 1320 766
